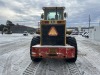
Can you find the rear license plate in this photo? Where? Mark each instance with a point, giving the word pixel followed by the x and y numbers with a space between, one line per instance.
pixel 52 50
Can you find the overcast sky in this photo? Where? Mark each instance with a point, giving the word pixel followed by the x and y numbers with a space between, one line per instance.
pixel 28 11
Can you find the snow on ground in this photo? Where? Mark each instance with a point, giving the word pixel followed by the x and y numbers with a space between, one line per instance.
pixel 90 52
pixel 9 38
pixel 15 57
pixel 90 40
pixel 88 62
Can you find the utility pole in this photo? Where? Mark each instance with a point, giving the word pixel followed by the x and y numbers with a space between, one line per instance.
pixel 38 25
pixel 89 23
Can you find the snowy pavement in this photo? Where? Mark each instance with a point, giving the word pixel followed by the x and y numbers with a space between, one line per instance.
pixel 14 50
pixel 88 62
pixel 15 58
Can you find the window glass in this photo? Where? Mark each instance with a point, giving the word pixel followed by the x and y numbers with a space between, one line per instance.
pixel 51 15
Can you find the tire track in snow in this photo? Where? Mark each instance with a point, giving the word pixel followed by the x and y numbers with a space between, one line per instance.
pixel 10 49
pixel 90 63
pixel 31 69
pixel 7 66
pixel 8 69
pixel 73 69
pixel 86 68
pixel 52 67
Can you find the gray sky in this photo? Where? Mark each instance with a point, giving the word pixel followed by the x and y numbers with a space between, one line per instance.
pixel 28 11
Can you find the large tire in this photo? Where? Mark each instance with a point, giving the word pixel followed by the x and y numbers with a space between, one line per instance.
pixel 72 41
pixel 35 41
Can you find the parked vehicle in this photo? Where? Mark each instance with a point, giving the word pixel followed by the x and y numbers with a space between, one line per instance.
pixel 25 33
pixel 85 34
pixel 80 33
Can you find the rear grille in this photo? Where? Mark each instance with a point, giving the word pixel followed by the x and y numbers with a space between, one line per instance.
pixel 53 40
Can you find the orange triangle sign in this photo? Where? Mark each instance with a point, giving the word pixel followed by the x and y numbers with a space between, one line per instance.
pixel 53 32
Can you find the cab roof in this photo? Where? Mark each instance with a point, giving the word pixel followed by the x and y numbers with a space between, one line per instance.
pixel 53 8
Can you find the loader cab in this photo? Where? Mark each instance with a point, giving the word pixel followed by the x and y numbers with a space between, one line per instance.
pixel 53 13
pixel 53 26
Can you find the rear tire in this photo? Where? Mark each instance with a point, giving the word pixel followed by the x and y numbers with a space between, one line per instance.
pixel 35 41
pixel 72 41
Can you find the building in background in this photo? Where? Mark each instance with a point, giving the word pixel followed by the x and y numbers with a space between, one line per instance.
pixel 94 33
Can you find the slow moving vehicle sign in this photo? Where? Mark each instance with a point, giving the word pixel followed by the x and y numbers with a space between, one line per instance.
pixel 53 32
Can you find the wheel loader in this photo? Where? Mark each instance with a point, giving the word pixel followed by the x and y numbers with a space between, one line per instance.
pixel 53 41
